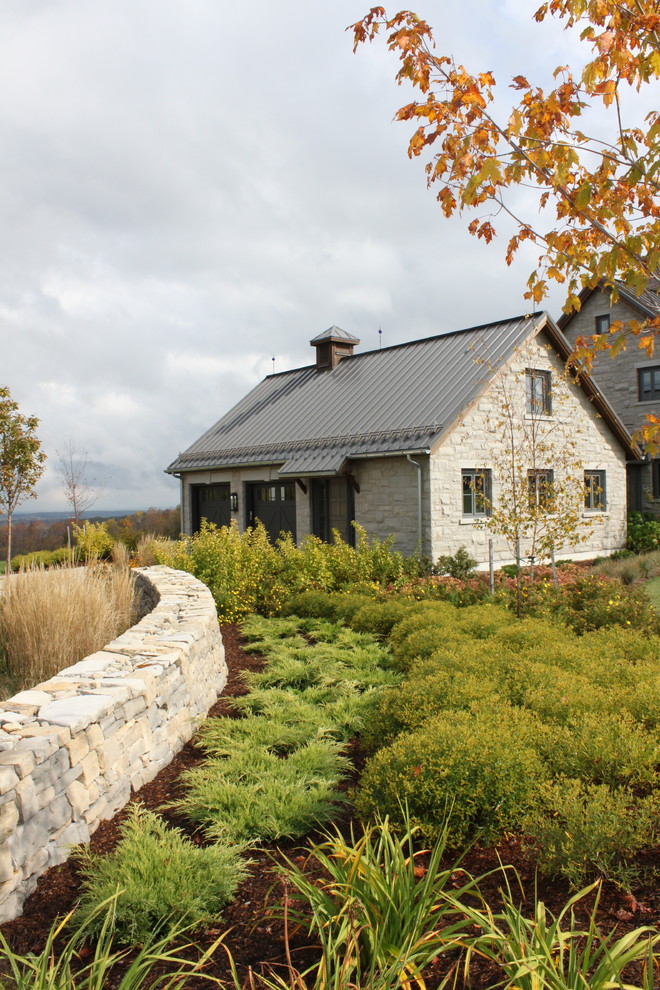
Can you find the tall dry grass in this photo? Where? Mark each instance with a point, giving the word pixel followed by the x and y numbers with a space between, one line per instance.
pixel 50 619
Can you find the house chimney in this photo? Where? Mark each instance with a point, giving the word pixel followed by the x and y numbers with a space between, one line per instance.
pixel 331 346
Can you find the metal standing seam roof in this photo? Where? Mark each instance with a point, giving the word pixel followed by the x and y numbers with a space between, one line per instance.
pixel 397 399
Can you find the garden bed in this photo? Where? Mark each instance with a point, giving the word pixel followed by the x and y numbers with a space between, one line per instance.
pixel 256 937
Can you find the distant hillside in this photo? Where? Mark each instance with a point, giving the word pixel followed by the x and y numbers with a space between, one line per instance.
pixel 58 516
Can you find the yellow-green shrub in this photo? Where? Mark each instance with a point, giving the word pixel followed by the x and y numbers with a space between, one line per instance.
pixel 93 541
pixel 580 829
pixel 482 767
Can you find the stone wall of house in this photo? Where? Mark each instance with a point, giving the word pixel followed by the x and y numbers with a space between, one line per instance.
pixel 387 502
pixel 618 379
pixel 74 748
pixel 475 442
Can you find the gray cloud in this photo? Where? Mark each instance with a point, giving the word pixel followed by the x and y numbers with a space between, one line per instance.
pixel 189 188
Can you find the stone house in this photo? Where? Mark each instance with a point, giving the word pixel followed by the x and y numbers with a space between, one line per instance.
pixel 409 440
pixel 631 381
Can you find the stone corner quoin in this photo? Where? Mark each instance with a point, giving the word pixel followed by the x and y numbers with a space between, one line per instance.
pixel 74 748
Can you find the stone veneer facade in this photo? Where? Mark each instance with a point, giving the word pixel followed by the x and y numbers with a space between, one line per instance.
pixel 74 748
pixel 618 379
pixel 475 441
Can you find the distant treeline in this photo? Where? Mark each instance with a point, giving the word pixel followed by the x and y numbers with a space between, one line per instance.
pixel 39 534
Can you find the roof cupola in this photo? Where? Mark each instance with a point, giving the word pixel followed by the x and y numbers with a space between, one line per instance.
pixel 331 346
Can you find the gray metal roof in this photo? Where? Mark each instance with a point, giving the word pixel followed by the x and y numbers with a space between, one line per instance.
pixel 334 333
pixel 397 399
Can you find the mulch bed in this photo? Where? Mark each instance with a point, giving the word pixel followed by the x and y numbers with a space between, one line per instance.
pixel 256 936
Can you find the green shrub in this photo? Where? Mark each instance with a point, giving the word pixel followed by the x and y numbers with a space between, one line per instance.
pixel 41 558
pixel 616 751
pixel 246 573
pixel 643 532
pixel 483 767
pixel 579 829
pixel 163 879
pixel 93 541
pixel 255 796
pixel 460 566
pixel 379 617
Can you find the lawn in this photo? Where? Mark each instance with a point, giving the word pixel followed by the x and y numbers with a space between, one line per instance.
pixel 652 589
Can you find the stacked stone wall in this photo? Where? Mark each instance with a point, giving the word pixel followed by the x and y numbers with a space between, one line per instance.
pixel 74 748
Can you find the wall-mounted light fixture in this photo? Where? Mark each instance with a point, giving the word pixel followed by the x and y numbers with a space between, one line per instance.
pixel 234 501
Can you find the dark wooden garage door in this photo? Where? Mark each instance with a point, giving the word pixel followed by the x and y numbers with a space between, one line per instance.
pixel 274 503
pixel 210 502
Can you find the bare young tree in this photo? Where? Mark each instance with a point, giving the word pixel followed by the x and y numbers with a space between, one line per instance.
pixel 79 488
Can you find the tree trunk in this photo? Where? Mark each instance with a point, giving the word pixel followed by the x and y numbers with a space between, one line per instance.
pixel 8 568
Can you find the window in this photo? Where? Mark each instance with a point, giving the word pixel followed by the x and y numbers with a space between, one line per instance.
pixel 538 394
pixel 476 492
pixel 603 323
pixel 539 486
pixel 594 491
pixel 649 383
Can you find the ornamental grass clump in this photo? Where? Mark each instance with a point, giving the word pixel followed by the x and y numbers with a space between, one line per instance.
pixel 51 619
pixel 380 916
pixel 160 878
pixel 544 952
pixel 87 958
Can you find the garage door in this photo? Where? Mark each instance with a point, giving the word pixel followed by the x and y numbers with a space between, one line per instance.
pixel 210 502
pixel 274 504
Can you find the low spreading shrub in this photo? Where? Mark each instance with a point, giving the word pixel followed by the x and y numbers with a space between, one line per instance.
pixel 161 880
pixel 484 767
pixel 41 558
pixel 253 795
pixel 580 829
pixel 379 617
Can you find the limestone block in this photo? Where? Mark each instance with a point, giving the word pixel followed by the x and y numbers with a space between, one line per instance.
pixel 94 736
pixel 26 799
pixel 77 712
pixel 8 820
pixel 90 768
pixel 8 779
pixel 78 797
pixel 78 747
pixel 29 700
pixel 21 761
pixel 75 834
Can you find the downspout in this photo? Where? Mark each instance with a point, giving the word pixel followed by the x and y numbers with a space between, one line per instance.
pixel 419 500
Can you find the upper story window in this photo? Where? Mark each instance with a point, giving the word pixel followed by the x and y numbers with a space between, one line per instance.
pixel 538 392
pixel 603 323
pixel 648 380
pixel 476 491
pixel 594 491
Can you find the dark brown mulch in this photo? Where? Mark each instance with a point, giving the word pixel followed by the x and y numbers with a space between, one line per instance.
pixel 256 935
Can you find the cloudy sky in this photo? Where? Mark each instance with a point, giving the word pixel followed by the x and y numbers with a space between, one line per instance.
pixel 189 188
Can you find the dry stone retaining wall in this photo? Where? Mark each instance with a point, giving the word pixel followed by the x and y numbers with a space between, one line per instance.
pixel 74 748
